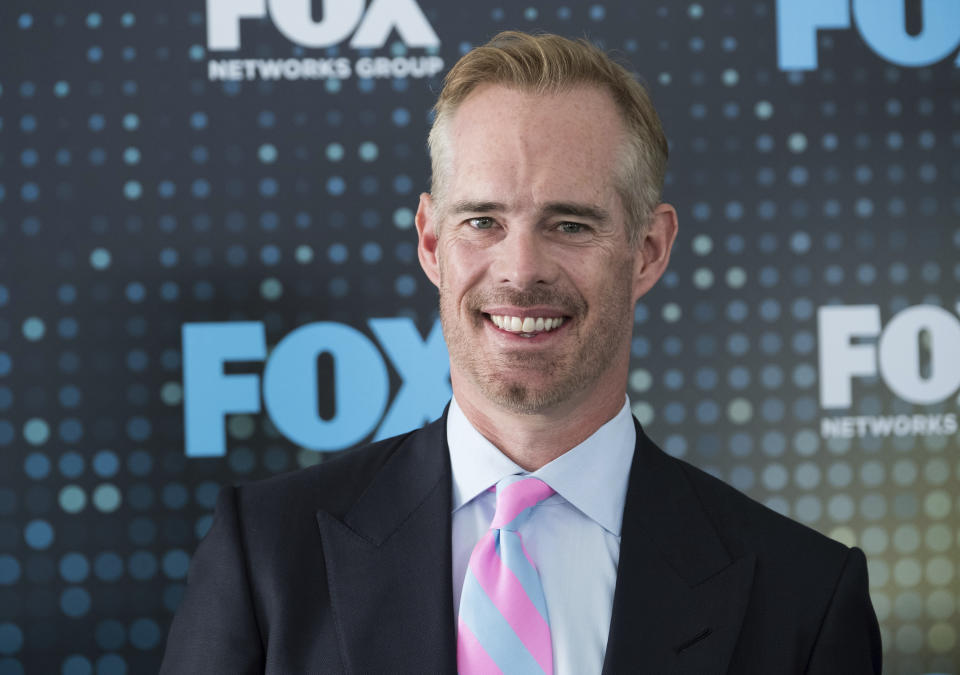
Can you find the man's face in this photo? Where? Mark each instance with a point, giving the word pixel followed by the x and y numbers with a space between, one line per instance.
pixel 536 275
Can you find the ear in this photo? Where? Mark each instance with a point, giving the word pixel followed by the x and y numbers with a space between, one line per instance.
pixel 653 252
pixel 427 236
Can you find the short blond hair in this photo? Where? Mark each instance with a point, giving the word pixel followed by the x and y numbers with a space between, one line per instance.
pixel 550 64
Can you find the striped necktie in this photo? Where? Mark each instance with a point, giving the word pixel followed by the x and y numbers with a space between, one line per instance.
pixel 503 626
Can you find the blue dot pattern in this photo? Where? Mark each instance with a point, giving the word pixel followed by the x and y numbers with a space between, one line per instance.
pixel 138 192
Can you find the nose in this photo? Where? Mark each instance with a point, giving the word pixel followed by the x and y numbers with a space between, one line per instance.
pixel 523 260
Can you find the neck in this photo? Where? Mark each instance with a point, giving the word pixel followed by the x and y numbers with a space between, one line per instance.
pixel 532 440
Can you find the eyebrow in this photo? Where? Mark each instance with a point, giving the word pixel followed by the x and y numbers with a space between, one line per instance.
pixel 574 209
pixel 467 206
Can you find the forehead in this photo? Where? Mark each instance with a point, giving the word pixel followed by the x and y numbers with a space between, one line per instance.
pixel 538 147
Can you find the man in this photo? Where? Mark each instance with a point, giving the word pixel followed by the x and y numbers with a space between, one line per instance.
pixel 542 230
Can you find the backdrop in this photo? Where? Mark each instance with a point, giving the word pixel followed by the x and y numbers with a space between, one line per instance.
pixel 208 275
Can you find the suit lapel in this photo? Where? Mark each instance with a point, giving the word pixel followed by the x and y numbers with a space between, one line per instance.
pixel 680 598
pixel 389 563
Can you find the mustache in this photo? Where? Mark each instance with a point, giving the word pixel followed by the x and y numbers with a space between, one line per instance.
pixel 570 303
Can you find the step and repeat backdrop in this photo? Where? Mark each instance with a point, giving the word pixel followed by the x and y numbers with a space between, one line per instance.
pixel 208 275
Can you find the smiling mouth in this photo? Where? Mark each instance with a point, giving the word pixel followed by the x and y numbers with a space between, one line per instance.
pixel 528 326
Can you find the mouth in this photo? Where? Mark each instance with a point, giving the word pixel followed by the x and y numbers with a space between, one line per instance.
pixel 526 326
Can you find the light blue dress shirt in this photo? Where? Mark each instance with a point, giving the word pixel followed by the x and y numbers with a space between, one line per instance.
pixel 573 537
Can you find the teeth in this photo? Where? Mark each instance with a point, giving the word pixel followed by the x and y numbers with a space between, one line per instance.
pixel 515 324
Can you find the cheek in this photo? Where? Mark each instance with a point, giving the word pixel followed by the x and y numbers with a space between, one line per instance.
pixel 603 278
pixel 585 264
pixel 461 265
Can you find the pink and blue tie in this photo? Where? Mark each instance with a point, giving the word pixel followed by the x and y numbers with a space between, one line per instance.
pixel 503 626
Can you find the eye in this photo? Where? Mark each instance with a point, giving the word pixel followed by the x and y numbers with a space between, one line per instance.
pixel 480 223
pixel 572 228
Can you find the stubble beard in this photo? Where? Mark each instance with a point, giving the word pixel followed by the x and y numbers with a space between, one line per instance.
pixel 501 377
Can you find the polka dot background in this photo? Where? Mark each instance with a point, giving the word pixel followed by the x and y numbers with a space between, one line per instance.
pixel 137 195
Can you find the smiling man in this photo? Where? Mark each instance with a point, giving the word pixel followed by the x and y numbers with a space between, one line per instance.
pixel 528 240
pixel 534 528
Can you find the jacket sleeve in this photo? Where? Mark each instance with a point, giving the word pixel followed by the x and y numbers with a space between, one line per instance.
pixel 849 638
pixel 215 629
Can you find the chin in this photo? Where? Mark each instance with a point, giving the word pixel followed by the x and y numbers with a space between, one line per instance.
pixel 522 398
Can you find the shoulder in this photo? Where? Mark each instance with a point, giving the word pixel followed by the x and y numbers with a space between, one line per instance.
pixel 796 564
pixel 802 578
pixel 744 523
pixel 333 485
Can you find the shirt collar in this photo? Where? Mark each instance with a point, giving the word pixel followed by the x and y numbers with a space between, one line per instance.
pixel 592 476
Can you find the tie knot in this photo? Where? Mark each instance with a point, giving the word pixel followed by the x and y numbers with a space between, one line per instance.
pixel 516 497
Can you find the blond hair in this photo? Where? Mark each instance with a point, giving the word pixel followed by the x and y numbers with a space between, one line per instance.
pixel 550 64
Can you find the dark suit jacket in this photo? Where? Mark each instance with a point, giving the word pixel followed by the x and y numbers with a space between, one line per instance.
pixel 346 567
